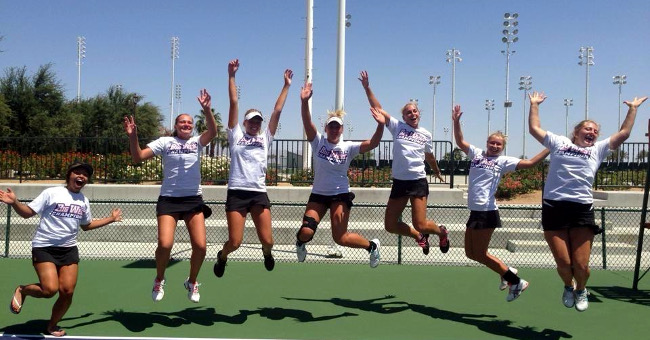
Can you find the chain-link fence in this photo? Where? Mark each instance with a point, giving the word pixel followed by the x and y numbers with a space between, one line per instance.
pixel 519 243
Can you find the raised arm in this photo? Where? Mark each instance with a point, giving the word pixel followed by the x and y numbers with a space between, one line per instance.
pixel 279 104
pixel 9 197
pixel 431 160
pixel 626 128
pixel 458 132
pixel 233 112
pixel 534 126
pixel 305 95
pixel 116 216
pixel 205 100
pixel 373 142
pixel 365 82
pixel 137 154
pixel 529 163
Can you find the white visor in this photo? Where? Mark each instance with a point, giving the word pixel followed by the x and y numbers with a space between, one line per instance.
pixel 334 119
pixel 253 114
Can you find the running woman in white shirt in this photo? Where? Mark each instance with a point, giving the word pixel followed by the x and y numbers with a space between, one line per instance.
pixel 180 193
pixel 247 178
pixel 55 256
pixel 331 187
pixel 567 207
pixel 486 169
pixel 412 146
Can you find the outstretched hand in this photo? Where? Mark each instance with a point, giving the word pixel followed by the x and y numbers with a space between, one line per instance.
pixel 379 115
pixel 288 74
pixel 536 97
pixel 636 102
pixel 233 66
pixel 116 214
pixel 8 197
pixel 129 126
pixel 363 77
pixel 306 92
pixel 456 113
pixel 205 100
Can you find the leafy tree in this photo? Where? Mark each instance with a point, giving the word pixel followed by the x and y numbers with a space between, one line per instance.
pixel 642 156
pixel 617 155
pixel 5 114
pixel 37 104
pixel 103 114
pixel 459 155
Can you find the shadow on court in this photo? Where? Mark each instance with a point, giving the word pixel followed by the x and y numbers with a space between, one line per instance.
pixel 640 297
pixel 35 327
pixel 484 322
pixel 149 264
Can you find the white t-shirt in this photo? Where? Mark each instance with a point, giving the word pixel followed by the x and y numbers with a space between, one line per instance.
pixel 573 168
pixel 331 163
pixel 409 146
pixel 181 165
pixel 248 155
pixel 61 212
pixel 484 176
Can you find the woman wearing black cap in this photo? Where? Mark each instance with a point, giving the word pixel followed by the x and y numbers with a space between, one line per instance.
pixel 54 246
pixel 247 179
pixel 180 193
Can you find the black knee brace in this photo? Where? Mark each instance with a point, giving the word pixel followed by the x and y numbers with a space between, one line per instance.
pixel 308 222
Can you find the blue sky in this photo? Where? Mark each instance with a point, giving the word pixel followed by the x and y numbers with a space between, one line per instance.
pixel 400 43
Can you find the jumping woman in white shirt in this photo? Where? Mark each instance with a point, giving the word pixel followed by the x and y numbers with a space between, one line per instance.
pixel 486 169
pixel 180 193
pixel 567 208
pixel 331 187
pixel 412 146
pixel 55 256
pixel 247 179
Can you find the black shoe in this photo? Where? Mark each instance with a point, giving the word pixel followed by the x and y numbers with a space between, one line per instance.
pixel 220 266
pixel 269 262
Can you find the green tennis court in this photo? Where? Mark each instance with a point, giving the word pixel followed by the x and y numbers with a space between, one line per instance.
pixel 330 301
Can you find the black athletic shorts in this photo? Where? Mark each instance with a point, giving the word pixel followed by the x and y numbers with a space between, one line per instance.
pixel 410 188
pixel 60 256
pixel 346 198
pixel 484 219
pixel 558 215
pixel 244 200
pixel 168 205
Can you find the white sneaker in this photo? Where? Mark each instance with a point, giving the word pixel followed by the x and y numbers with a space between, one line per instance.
pixel 568 296
pixel 504 284
pixel 374 254
pixel 158 291
pixel 582 301
pixel 192 290
pixel 516 290
pixel 301 252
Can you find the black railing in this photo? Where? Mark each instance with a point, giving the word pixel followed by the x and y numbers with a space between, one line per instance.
pixel 38 158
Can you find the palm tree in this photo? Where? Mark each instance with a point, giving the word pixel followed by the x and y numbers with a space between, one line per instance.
pixel 221 139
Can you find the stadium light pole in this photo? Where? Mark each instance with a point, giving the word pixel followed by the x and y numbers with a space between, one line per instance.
pixel 586 58
pixel 453 55
pixel 177 95
pixel 174 56
pixel 309 77
pixel 434 80
pixel 489 106
pixel 509 37
pixel 81 54
pixel 567 102
pixel 525 84
pixel 619 80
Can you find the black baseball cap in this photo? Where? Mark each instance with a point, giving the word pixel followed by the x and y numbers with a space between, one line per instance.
pixel 77 165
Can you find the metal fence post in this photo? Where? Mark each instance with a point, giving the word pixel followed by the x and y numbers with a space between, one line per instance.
pixel 7 229
pixel 603 238
pixel 399 243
